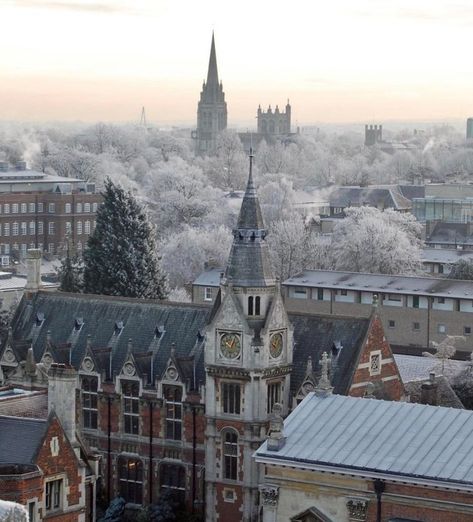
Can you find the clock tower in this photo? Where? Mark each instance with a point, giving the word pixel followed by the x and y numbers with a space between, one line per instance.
pixel 248 359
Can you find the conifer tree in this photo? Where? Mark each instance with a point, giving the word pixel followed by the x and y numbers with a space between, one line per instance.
pixel 71 272
pixel 121 258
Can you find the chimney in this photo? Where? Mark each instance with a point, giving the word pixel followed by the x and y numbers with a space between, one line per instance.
pixel 62 397
pixel 33 270
pixel 429 391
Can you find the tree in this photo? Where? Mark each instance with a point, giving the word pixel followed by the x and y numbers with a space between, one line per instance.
pixel 120 257
pixel 71 273
pixel 114 511
pixel 445 350
pixel 462 269
pixel 369 240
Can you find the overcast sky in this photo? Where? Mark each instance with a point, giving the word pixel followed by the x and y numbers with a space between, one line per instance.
pixel 337 60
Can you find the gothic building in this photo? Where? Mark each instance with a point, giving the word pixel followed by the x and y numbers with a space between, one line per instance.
pixel 212 108
pixel 274 123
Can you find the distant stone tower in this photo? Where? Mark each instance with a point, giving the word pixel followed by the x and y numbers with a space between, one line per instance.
pixel 469 129
pixel 373 134
pixel 212 108
pixel 274 123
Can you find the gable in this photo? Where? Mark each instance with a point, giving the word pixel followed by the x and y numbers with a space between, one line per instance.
pixel 230 315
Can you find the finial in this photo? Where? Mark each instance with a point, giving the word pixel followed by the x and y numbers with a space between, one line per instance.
pixel 324 387
pixel 89 341
pixel 309 368
pixel 276 438
pixel 30 365
pixel 173 350
pixel 129 345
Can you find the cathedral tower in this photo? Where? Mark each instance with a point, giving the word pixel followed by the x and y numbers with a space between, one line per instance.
pixel 248 358
pixel 212 108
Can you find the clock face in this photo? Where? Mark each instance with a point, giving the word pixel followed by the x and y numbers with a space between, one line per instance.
pixel 275 345
pixel 230 345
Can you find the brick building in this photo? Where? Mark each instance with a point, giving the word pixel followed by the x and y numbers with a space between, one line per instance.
pixel 38 210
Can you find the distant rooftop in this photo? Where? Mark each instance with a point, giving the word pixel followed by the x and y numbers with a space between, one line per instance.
pixel 368 436
pixel 210 277
pixel 445 255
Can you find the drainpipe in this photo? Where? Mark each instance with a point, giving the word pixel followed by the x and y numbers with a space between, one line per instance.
pixel 150 480
pixel 379 487
pixel 109 450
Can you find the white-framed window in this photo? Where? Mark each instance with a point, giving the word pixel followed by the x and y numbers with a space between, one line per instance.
pixel 67 208
pixel 131 409
pixel 79 228
pixel 86 227
pixel 441 328
pixel 24 228
pixel 52 208
pixel 375 363
pixel 24 248
pixel 6 229
pixel 15 229
pixel 40 207
pixel 231 398
pixel 299 293
pixel 14 208
pixel 51 228
pixel 24 208
pixel 94 207
pixel 86 207
pixel 0 208
pixel 6 208
pixel 79 208
pixel 68 227
pixel 173 403
pixel 32 228
pixel 53 497
pixel 32 511
pixel 230 454
pixel 32 207
pixel 6 248
pixel 40 227
pixel 89 401
pixel 208 291
pixel 274 395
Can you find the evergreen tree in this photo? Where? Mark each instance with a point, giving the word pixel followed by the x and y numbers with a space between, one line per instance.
pixel 120 258
pixel 71 272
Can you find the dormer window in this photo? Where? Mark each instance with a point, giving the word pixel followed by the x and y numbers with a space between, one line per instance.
pixel 159 331
pixel 39 319
pixel 78 324
pixel 118 327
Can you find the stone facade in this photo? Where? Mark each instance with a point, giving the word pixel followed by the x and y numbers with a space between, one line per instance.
pixel 274 123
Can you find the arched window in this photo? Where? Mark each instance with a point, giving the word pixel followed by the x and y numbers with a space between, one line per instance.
pixel 257 305
pixel 230 454
pixel 250 305
pixel 173 479
pixel 130 475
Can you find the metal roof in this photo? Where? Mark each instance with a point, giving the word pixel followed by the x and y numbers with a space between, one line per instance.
pixel 382 283
pixel 210 277
pixel 369 435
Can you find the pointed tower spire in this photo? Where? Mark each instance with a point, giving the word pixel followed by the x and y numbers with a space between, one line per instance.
pixel 212 73
pixel 249 263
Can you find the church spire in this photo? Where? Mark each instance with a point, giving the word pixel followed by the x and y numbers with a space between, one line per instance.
pixel 212 74
pixel 249 262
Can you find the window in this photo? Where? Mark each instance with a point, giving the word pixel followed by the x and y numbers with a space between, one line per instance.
pixel 441 300
pixel 53 495
pixel 24 247
pixel 300 293
pixel 257 305
pixel 14 229
pixel 40 207
pixel 441 328
pixel 391 324
pixel 173 479
pixel 32 228
pixel 440 269
pixel 274 395
pixel 68 227
pixel 32 207
pixel 14 208
pixel 32 511
pixel 250 305
pixel 67 208
pixel 51 228
pixel 394 297
pixel 131 412
pixel 89 401
pixel 6 208
pixel 51 248
pixel 79 207
pixel 173 397
pixel 416 326
pixel 231 394
pixel 24 208
pixel 40 227
pixel 86 227
pixel 94 207
pixel 79 227
pixel 24 228
pixel 467 330
pixel 52 208
pixel 375 363
pixel 130 473
pixel 86 207
pixel 320 294
pixel 343 291
pixel 6 229
pixel 6 248
pixel 208 293
pixel 230 455
pixel 415 301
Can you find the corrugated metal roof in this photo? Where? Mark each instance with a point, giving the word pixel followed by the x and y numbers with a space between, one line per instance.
pixel 383 283
pixel 397 438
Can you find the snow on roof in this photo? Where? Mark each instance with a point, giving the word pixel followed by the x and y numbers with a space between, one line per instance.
pixel 383 283
pixel 445 255
pixel 368 435
pixel 18 283
pixel 415 368
pixel 210 277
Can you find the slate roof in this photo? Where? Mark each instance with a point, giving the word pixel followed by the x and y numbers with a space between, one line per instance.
pixel 109 322
pixel 20 439
pixel 381 283
pixel 379 197
pixel 314 335
pixel 209 277
pixel 368 435
pixel 412 191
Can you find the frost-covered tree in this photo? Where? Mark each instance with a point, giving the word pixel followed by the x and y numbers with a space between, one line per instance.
pixel 71 272
pixel 121 256
pixel 462 269
pixel 369 240
pixel 445 350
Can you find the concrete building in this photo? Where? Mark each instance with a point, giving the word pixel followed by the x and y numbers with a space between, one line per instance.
pixel 39 210
pixel 345 459
pixel 211 110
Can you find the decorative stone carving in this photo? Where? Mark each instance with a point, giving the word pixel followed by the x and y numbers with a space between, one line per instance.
pixel 324 386
pixel 269 495
pixel 87 364
pixel 357 509
pixel 276 438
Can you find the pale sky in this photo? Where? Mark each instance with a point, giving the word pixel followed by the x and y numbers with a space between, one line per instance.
pixel 337 60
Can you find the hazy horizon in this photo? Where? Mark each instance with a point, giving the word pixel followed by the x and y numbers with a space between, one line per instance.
pixel 343 63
